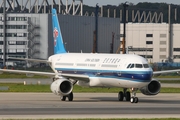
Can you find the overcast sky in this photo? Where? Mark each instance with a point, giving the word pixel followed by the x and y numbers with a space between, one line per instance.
pixel 117 2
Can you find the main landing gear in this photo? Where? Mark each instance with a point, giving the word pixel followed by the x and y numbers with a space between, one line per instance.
pixel 126 94
pixel 70 97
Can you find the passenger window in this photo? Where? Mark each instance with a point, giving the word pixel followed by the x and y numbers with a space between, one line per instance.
pixel 132 66
pixel 146 65
pixel 139 66
pixel 128 65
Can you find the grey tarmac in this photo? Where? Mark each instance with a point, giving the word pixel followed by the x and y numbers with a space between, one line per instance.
pixel 87 105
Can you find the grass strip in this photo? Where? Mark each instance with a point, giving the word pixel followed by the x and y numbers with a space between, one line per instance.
pixel 168 76
pixel 170 81
pixel 110 119
pixel 19 87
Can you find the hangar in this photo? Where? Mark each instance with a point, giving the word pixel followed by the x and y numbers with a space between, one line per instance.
pixel 28 32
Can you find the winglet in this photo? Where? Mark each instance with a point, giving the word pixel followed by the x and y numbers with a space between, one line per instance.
pixel 57 36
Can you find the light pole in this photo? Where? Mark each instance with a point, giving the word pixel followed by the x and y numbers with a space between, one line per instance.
pixel 4 33
pixel 124 22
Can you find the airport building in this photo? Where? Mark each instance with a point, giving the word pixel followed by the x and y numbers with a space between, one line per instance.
pixel 151 40
pixel 28 33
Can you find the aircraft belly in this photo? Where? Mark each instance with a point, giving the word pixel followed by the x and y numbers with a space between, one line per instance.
pixel 109 82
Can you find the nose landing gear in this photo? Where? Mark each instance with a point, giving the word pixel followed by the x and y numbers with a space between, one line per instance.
pixel 134 99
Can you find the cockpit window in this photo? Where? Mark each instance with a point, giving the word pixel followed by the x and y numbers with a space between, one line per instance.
pixel 128 65
pixel 146 65
pixel 138 66
pixel 132 66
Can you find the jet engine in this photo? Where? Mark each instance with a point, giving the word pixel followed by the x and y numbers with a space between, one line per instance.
pixel 62 87
pixel 153 88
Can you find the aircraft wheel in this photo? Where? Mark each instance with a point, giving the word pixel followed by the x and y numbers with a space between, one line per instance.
pixel 70 97
pixel 136 100
pixel 63 98
pixel 120 96
pixel 128 96
pixel 132 100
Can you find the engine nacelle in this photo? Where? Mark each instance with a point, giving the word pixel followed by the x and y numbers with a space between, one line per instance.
pixel 62 87
pixel 153 88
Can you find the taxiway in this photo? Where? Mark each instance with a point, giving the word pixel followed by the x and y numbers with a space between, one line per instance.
pixel 87 105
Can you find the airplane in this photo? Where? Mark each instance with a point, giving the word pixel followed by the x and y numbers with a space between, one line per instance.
pixel 128 71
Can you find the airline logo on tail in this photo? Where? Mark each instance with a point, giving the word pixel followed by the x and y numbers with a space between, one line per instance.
pixel 55 35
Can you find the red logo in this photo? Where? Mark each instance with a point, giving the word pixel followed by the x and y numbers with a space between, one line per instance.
pixel 55 35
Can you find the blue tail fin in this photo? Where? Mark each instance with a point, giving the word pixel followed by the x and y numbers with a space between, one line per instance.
pixel 58 41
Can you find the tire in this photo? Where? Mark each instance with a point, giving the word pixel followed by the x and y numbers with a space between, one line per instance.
pixel 132 100
pixel 70 97
pixel 63 98
pixel 120 96
pixel 136 100
pixel 128 96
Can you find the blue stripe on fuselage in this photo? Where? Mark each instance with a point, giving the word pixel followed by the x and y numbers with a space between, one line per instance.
pixel 138 76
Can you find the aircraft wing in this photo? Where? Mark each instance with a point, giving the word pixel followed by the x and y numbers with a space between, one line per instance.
pixel 27 59
pixel 72 76
pixel 165 71
pixel 28 72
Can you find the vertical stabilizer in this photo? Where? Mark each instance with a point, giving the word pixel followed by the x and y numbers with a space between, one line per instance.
pixel 57 36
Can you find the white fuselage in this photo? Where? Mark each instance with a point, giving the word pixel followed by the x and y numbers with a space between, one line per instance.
pixel 104 70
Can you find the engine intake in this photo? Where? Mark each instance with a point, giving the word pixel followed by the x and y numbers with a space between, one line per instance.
pixel 62 87
pixel 153 88
pixel 65 87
